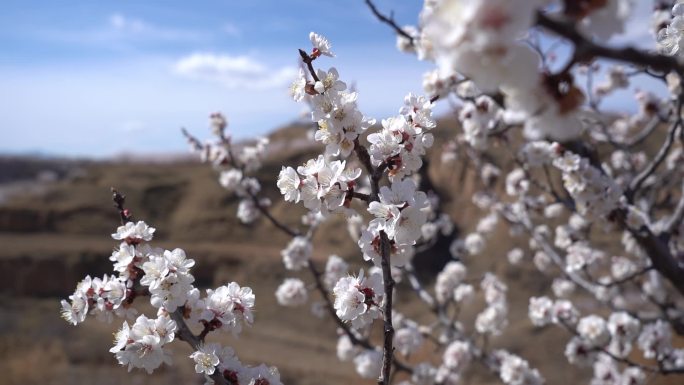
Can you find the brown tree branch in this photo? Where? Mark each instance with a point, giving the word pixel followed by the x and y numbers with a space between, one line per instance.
pixel 119 201
pixel 341 324
pixel 659 253
pixel 678 215
pixel 308 60
pixel 645 132
pixel 361 196
pixel 184 333
pixel 650 168
pixel 194 142
pixel 375 174
pixel 389 20
pixel 263 210
pixel 388 281
pixel 198 146
pixel 585 49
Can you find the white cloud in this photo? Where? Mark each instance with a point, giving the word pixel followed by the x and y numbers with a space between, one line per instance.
pixel 637 31
pixel 132 126
pixel 120 29
pixel 132 106
pixel 233 71
pixel 123 23
pixel 231 29
pixel 123 26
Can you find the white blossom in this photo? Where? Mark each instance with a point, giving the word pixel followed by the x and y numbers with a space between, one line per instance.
pixel 474 243
pixel 593 330
pixel 424 374
pixel 517 371
pixel 562 288
pixel 464 293
pixel 262 374
pixel 75 310
pixel 356 296
pixel 321 45
pixel 297 253
pixel 368 363
pixel 580 352
pixel 564 311
pixel 346 350
pixel 292 292
pixel 515 255
pixel 168 279
pixel 492 320
pixel 142 345
pixel 205 359
pixel 229 306
pixel 633 376
pixel 230 179
pixel 134 233
pixel 407 340
pixel 298 86
pixel 540 310
pixel 448 279
pixel 335 269
pixel 655 339
pixel 457 355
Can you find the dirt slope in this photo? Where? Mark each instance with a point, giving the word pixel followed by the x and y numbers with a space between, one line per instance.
pixel 54 236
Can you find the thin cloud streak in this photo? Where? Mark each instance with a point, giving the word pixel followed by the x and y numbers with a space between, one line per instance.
pixel 120 28
pixel 233 71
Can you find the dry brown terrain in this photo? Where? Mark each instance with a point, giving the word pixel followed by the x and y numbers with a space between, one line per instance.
pixel 53 236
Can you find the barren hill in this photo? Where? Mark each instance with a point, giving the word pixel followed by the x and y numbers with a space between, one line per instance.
pixel 52 236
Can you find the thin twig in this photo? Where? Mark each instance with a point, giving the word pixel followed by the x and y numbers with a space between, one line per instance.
pixel 603 350
pixel 194 142
pixel 184 333
pixel 388 281
pixel 361 196
pixel 624 279
pixel 645 132
pixel 389 20
pixel 331 309
pixel 587 49
pixel 341 324
pixel 263 210
pixel 119 201
pixel 636 183
pixel 307 60
pixel 678 215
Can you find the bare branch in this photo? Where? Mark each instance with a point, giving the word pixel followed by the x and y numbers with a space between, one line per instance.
pixel 119 201
pixel 281 226
pixel 388 281
pixel 625 279
pixel 389 20
pixel 184 333
pixel 659 253
pixel 307 60
pixel 419 289
pixel 678 215
pixel 585 49
pixel 636 183
pixel 255 199
pixel 361 196
pixel 194 142
pixel 345 328
pixel 645 132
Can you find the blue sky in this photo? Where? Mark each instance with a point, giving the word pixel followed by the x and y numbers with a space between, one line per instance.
pixel 100 78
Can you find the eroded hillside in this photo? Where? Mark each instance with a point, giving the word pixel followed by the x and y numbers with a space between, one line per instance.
pixel 54 235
